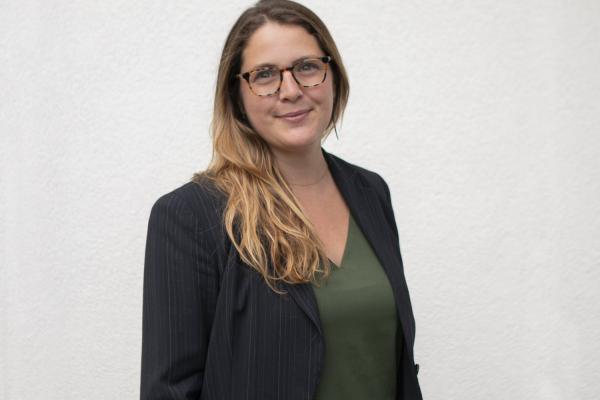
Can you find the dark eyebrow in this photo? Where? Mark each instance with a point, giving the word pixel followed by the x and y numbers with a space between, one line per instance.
pixel 275 66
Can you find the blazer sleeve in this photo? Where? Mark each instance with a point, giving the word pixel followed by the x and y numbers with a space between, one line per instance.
pixel 389 209
pixel 179 298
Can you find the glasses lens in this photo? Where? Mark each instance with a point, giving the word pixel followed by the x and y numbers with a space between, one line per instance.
pixel 310 72
pixel 264 81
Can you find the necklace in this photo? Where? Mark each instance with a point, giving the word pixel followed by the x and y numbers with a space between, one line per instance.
pixel 313 183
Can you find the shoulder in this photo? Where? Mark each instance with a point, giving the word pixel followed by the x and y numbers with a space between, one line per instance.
pixel 199 199
pixel 362 176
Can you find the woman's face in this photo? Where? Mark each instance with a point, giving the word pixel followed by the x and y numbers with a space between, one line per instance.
pixel 281 45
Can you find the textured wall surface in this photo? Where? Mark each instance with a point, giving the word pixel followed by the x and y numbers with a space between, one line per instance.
pixel 482 116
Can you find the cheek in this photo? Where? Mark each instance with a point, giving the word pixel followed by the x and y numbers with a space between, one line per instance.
pixel 248 103
pixel 258 110
pixel 326 97
pixel 327 93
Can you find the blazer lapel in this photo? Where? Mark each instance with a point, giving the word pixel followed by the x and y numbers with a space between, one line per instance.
pixel 304 295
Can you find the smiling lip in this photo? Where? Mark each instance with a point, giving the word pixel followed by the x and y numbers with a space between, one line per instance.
pixel 294 114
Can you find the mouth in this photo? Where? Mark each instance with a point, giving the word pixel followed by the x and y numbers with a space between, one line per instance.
pixel 296 116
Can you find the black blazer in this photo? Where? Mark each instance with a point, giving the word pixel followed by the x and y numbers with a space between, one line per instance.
pixel 212 329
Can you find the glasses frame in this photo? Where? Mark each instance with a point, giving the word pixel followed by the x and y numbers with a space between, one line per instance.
pixel 246 75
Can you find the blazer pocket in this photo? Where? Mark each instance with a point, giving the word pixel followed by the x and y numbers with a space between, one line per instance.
pixel 417 368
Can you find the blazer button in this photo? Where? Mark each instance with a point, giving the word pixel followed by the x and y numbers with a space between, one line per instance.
pixel 417 368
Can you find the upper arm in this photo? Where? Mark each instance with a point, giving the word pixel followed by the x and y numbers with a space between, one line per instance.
pixel 179 299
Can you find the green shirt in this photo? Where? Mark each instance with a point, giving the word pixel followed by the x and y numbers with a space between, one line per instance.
pixel 359 319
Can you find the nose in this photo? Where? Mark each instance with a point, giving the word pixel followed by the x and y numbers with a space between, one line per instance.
pixel 290 89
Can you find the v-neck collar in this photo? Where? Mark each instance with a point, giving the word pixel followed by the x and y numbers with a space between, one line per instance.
pixel 348 230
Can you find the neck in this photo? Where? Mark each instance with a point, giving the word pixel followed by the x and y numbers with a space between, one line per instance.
pixel 302 168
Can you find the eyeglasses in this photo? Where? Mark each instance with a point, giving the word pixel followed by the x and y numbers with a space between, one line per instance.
pixel 267 81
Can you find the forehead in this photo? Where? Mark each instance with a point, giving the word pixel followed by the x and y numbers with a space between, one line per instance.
pixel 278 44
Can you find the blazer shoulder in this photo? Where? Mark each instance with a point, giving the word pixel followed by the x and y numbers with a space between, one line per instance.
pixel 201 198
pixel 366 177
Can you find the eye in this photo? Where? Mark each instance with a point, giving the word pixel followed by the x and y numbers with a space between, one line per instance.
pixel 307 66
pixel 263 74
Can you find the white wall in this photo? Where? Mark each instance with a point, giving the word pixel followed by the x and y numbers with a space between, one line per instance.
pixel 482 116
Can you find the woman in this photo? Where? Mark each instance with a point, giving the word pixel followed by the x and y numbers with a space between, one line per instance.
pixel 276 273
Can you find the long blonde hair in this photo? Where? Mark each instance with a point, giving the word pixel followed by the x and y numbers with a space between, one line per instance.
pixel 262 217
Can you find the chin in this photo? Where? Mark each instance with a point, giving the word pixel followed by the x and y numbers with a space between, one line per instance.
pixel 302 136
pixel 298 143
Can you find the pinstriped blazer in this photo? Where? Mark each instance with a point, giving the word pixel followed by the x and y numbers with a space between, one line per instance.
pixel 213 330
